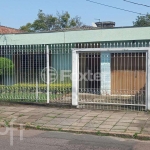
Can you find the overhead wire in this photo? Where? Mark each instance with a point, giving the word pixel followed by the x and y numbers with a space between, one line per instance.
pixel 136 3
pixel 116 7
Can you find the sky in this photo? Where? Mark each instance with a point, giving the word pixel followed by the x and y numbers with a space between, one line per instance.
pixel 15 13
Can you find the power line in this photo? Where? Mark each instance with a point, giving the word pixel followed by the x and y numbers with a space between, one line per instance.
pixel 136 3
pixel 116 7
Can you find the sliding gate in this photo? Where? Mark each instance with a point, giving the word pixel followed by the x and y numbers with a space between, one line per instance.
pixel 114 80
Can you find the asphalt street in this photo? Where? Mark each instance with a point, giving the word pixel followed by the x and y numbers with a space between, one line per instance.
pixel 48 140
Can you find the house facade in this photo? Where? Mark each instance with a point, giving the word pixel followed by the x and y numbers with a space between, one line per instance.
pixel 96 68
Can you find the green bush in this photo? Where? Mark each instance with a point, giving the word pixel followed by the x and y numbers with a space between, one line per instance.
pixel 6 66
pixel 54 88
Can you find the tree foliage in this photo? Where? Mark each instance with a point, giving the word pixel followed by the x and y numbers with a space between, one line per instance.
pixel 47 22
pixel 142 21
pixel 6 66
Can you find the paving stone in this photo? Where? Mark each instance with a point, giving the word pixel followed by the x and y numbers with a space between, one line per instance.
pixel 115 116
pixel 56 113
pixel 81 113
pixel 107 112
pixel 87 118
pixel 100 119
pixel 62 127
pixel 92 115
pixel 63 115
pixel 46 118
pixel 41 121
pixel 89 128
pixel 56 121
pixel 146 129
pixel 136 125
pixel 51 115
pixel 134 129
pixel 104 115
pixel 35 111
pixel 96 111
pixel 131 113
pixel 105 126
pixel 74 117
pixel 12 116
pixel 145 132
pixel 139 121
pixel 11 110
pixel 68 122
pixel 35 117
pixel 23 117
pixel 119 128
pixel 125 124
pixel 132 132
pixel 108 123
pixel 28 120
pixel 26 110
pixel 37 125
pixel 148 122
pixel 29 113
pixel 103 129
pixel 7 113
pixel 69 112
pixel 92 125
pixel 141 118
pixel 122 120
pixel 75 127
pixel 96 122
pixel 49 125
pixel 4 115
pixel 117 131
pixel 147 126
pixel 128 118
pixel 82 121
pixel 113 120
pixel 77 124
pixel 119 113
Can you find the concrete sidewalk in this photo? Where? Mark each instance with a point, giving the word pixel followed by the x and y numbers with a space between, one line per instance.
pixel 132 124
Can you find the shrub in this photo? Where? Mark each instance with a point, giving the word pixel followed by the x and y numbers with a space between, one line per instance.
pixel 6 66
pixel 54 88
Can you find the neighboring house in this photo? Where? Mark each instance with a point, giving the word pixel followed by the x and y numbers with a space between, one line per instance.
pixel 113 64
pixel 8 30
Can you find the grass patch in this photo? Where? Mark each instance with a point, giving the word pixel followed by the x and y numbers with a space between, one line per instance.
pixel 98 133
pixel 60 129
pixel 7 123
pixel 21 115
pixel 135 135
pixel 38 127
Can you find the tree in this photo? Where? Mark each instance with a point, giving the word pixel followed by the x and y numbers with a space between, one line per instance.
pixel 6 66
pixel 27 28
pixel 47 22
pixel 142 21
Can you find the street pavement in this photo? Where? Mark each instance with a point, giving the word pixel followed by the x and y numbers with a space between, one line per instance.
pixel 120 123
pixel 52 140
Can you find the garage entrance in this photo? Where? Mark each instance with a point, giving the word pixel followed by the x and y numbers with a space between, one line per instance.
pixel 112 78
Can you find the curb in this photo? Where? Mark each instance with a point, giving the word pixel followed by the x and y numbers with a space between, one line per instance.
pixel 98 133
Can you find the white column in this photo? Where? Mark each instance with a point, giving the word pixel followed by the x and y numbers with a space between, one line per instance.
pixel 75 78
pixel 48 80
